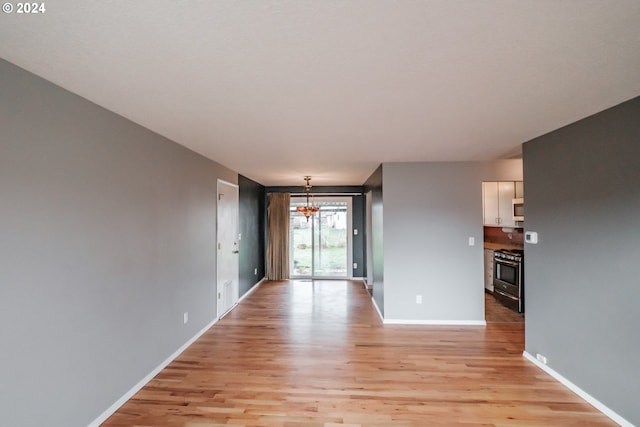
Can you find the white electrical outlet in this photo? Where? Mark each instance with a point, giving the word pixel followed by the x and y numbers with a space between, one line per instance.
pixel 355 231
pixel 255 271
pixel 355 265
pixel 185 317
pixel 418 299
pixel 541 358
pixel 472 241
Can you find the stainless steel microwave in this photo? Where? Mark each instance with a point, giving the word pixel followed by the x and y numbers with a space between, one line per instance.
pixel 518 209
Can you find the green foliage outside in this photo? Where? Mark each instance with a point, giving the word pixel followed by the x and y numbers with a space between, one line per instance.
pixel 330 258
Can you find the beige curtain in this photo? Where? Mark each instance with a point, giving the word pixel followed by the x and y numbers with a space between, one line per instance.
pixel 278 236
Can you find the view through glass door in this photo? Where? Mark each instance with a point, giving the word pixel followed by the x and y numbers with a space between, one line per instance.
pixel 321 246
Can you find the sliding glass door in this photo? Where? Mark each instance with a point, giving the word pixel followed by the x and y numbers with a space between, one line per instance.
pixel 321 246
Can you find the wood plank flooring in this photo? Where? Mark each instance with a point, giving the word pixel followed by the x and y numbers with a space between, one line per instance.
pixel 316 354
pixel 495 312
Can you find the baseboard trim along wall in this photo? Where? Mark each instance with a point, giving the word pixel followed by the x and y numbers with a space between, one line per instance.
pixel 377 309
pixel 113 408
pixel 253 288
pixel 427 322
pixel 435 322
pixel 577 390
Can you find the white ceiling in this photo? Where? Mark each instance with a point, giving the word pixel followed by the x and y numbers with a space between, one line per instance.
pixel 331 88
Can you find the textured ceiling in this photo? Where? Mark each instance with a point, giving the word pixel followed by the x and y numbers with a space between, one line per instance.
pixel 280 89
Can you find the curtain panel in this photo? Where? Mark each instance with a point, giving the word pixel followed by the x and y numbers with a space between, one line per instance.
pixel 278 236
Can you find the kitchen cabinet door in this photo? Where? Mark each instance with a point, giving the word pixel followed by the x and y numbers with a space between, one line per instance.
pixel 490 203
pixel 506 194
pixel 497 203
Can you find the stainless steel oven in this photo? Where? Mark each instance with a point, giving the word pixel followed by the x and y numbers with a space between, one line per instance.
pixel 508 278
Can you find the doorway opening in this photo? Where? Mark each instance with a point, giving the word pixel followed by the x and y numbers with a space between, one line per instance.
pixel 320 246
pixel 227 255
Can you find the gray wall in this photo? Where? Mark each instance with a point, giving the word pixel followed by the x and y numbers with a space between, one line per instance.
pixel 252 225
pixel 582 286
pixel 107 238
pixel 374 185
pixel 430 211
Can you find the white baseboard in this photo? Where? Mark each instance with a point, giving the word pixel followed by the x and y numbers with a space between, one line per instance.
pixel 377 309
pixel 577 390
pixel 253 288
pixel 118 403
pixel 113 408
pixel 435 322
pixel 427 322
pixel 367 285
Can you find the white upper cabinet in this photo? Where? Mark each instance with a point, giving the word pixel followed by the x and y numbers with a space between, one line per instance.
pixel 490 203
pixel 497 202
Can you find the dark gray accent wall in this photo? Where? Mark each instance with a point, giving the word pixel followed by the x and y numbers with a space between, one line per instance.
pixel 107 236
pixel 252 224
pixel 582 285
pixel 374 185
pixel 358 214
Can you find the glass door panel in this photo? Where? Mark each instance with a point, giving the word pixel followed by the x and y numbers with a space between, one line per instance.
pixel 330 248
pixel 321 246
pixel 300 244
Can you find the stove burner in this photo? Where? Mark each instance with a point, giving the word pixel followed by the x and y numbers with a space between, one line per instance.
pixel 511 254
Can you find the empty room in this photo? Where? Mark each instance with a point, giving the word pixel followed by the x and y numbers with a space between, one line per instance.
pixel 319 213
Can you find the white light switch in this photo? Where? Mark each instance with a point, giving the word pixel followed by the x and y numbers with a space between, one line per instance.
pixel 355 231
pixel 531 237
pixel 472 241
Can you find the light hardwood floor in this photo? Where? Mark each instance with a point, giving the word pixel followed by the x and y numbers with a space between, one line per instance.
pixel 495 312
pixel 317 354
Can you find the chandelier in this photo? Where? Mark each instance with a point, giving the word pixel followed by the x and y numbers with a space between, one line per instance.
pixel 309 209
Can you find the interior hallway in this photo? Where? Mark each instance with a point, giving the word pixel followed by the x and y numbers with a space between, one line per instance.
pixel 315 353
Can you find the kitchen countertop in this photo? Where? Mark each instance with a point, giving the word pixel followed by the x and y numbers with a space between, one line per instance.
pixel 494 246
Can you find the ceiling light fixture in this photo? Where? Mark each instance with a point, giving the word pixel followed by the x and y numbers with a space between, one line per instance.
pixel 309 209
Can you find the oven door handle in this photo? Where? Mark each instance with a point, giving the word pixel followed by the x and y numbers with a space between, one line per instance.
pixel 504 261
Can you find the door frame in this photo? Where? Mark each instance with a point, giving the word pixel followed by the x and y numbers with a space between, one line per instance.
pixel 221 296
pixel 349 231
pixel 369 238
